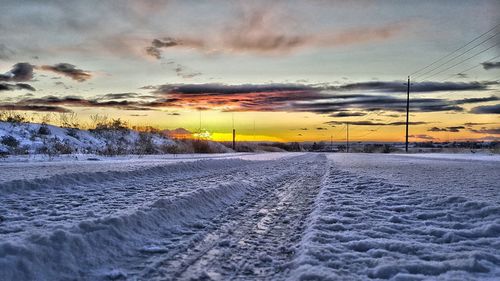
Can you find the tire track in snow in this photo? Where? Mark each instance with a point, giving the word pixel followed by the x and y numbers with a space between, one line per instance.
pixel 116 244
pixel 72 197
pixel 255 240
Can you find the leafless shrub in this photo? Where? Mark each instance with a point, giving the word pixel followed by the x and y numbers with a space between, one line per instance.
pixel 13 117
pixel 44 130
pixel 53 147
pixel 144 144
pixel 10 141
pixel 69 120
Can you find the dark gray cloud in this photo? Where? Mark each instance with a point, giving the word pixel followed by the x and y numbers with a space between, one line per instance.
pixel 16 86
pixel 377 103
pixel 491 65
pixel 43 108
pixel 476 100
pixel 20 72
pixel 347 114
pixel 371 123
pixel 157 44
pixel 68 70
pixel 453 129
pixel 184 72
pixel 117 96
pixel 486 109
pixel 420 87
pixel 491 131
pixel 469 124
pixel 77 101
pixel 222 89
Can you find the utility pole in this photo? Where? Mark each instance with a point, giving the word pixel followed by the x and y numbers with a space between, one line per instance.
pixel 347 137
pixel 254 130
pixel 234 139
pixel 199 128
pixel 407 112
pixel 234 135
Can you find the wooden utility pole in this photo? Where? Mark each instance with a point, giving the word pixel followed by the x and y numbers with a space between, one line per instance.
pixel 234 134
pixel 347 137
pixel 407 112
pixel 234 139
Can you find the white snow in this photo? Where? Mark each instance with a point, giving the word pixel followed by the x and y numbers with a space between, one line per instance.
pixel 276 216
pixel 36 139
pixel 364 227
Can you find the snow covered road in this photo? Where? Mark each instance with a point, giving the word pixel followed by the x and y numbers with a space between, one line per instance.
pixel 253 217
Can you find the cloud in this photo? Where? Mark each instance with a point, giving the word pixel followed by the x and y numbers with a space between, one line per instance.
pixel 321 129
pixel 491 131
pixel 486 109
pixel 43 108
pixel 453 129
pixel 157 44
pixel 420 87
pixel 422 136
pixel 469 124
pixel 117 96
pixel 17 86
pixel 264 31
pixel 183 72
pixel 347 114
pixel 320 99
pixel 376 103
pixel 371 123
pixel 476 100
pixel 68 70
pixel 491 65
pixel 20 72
pixel 82 102
pixel 77 101
pixel 222 89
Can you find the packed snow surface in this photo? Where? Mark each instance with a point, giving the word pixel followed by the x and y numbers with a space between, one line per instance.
pixel 280 216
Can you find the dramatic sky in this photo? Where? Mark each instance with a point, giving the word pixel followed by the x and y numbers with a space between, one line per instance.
pixel 282 70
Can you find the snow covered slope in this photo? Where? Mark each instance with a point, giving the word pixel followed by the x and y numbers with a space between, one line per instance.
pixel 17 138
pixel 251 217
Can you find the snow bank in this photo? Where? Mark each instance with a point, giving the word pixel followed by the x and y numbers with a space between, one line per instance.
pixel 455 156
pixel 364 228
pixel 69 179
pixel 66 253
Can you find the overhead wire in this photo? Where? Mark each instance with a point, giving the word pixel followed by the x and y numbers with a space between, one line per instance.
pixel 449 54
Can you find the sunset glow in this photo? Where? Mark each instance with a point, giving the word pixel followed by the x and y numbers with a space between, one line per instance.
pixel 286 71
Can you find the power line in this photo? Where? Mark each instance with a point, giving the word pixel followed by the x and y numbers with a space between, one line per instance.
pixel 457 56
pixel 470 68
pixel 449 54
pixel 477 54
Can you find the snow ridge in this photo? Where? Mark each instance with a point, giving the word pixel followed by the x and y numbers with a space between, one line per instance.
pixel 65 252
pixel 98 177
pixel 363 228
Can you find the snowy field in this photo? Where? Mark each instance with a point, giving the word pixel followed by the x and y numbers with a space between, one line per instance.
pixel 279 216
